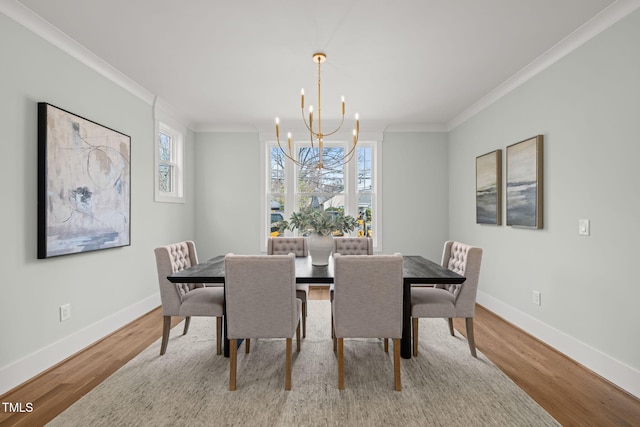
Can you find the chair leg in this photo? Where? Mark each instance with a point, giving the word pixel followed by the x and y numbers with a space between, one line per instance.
pixel 470 339
pixel 450 321
pixel 232 364
pixel 166 327
pixel 396 364
pixel 386 345
pixel 333 335
pixel 218 336
pixel 415 336
pixel 304 319
pixel 298 337
pixel 340 363
pixel 287 379
pixel 247 345
pixel 187 322
pixel 332 330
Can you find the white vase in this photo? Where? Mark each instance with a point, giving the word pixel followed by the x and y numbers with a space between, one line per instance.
pixel 320 248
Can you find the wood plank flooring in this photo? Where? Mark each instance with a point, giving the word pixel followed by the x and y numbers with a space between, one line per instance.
pixel 572 394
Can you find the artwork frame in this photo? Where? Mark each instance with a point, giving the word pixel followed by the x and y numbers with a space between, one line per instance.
pixel 489 188
pixel 525 183
pixel 84 184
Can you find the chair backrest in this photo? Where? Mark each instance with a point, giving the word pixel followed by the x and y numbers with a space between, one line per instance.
pixel 353 245
pixel 171 259
pixel 260 293
pixel 464 260
pixel 287 245
pixel 367 300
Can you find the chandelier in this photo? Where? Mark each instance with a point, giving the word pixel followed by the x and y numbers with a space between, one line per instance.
pixel 316 134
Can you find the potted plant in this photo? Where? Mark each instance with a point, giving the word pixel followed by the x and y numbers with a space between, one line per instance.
pixel 320 226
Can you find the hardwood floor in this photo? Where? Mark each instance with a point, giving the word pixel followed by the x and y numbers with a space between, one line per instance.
pixel 572 394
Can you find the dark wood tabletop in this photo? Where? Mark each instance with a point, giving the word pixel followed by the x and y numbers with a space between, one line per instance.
pixel 416 269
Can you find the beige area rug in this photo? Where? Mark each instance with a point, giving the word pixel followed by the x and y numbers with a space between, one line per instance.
pixel 188 386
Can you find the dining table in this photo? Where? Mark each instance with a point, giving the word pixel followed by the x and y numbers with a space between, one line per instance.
pixel 416 270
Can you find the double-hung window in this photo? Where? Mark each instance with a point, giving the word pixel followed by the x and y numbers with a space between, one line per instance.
pixel 350 188
pixel 169 170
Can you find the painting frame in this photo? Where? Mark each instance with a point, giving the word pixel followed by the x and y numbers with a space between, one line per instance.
pixel 489 188
pixel 84 184
pixel 525 183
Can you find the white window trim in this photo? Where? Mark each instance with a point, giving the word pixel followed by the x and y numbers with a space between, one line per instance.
pixel 351 180
pixel 164 123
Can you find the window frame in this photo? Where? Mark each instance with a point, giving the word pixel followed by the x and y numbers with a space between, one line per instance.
pixel 350 187
pixel 178 135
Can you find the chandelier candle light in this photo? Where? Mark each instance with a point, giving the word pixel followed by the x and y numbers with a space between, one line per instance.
pixel 317 136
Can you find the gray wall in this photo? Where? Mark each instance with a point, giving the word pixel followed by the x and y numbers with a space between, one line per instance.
pixel 415 193
pixel 587 106
pixel 228 193
pixel 106 289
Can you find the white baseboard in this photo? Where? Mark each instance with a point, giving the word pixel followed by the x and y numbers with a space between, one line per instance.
pixel 623 376
pixel 31 365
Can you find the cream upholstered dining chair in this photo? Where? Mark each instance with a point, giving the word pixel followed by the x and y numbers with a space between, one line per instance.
pixel 450 301
pixel 367 303
pixel 298 247
pixel 185 299
pixel 261 303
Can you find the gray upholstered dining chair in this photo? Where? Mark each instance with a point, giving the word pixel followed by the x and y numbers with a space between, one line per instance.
pixel 367 303
pixel 261 303
pixel 353 245
pixel 185 299
pixel 450 301
pixel 298 247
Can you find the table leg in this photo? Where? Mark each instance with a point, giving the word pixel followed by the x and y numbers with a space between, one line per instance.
pixel 405 343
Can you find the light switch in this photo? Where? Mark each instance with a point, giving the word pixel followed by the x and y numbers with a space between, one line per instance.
pixel 584 227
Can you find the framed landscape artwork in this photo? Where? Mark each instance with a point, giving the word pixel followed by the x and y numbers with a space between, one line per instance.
pixel 489 188
pixel 84 190
pixel 524 183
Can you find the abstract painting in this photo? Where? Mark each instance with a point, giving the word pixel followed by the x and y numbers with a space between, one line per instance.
pixel 84 191
pixel 524 183
pixel 489 188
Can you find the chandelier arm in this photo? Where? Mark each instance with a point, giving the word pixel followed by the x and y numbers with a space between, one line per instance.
pixel 347 157
pixel 339 127
pixel 352 151
pixel 289 156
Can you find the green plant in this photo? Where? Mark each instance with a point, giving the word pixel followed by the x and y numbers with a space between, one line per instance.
pixel 319 221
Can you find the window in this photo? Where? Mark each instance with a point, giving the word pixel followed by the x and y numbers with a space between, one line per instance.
pixel 169 174
pixel 350 188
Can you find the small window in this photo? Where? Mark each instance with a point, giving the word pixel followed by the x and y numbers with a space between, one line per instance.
pixel 169 174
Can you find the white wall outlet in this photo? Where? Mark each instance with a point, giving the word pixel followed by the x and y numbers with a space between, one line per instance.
pixel 65 312
pixel 536 297
pixel 584 227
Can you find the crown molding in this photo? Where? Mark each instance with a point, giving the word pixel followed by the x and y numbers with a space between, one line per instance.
pixel 609 16
pixel 26 17
pixel 34 23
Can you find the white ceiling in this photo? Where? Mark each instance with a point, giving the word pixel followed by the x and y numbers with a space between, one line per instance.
pixel 399 64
